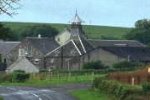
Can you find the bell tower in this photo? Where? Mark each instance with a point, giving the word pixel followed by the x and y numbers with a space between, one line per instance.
pixel 73 32
pixel 76 26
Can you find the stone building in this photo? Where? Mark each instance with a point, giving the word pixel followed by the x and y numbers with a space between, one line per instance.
pixel 76 49
pixel 34 49
pixel 5 48
pixel 70 49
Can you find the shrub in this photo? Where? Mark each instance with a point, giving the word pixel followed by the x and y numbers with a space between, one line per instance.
pixel 19 76
pixel 43 70
pixel 126 65
pixel 94 65
pixel 146 87
pixel 121 91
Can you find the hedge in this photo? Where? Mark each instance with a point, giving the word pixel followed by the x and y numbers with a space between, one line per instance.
pixel 115 88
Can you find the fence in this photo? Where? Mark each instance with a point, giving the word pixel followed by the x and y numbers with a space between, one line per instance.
pixel 77 76
pixel 56 77
pixel 136 77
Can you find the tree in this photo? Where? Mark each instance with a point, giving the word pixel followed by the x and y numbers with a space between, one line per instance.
pixel 8 6
pixel 44 30
pixel 141 32
pixel 6 33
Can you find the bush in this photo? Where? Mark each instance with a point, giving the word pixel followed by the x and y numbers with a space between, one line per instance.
pixel 126 65
pixel 19 76
pixel 43 70
pixel 146 87
pixel 121 91
pixel 94 65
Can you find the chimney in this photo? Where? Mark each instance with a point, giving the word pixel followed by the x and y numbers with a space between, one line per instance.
pixel 39 36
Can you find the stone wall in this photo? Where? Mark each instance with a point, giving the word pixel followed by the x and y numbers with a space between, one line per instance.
pixel 105 57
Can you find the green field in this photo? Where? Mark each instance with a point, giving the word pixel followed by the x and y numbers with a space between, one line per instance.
pixel 92 31
pixel 91 95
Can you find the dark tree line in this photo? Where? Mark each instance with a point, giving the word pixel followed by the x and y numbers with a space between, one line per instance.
pixel 43 30
pixel 31 31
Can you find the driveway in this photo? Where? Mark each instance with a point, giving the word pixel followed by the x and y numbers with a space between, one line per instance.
pixel 49 93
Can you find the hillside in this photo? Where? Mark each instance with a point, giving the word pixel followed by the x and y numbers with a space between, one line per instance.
pixel 92 31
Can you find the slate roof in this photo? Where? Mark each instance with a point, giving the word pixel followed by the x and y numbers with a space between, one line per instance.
pixel 7 46
pixel 134 53
pixel 23 64
pixel 66 50
pixel 82 44
pixel 115 43
pixel 43 44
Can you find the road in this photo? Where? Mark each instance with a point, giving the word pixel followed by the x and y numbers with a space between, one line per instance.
pixel 60 92
pixel 28 93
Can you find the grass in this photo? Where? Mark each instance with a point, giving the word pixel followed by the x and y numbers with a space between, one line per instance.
pixel 1 98
pixel 47 81
pixel 91 95
pixel 98 32
pixel 92 31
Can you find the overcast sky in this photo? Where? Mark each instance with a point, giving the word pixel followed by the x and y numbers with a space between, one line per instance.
pixel 98 12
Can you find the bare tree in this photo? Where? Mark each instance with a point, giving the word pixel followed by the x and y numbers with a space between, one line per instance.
pixel 9 7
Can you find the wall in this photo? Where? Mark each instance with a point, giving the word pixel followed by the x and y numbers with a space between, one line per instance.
pixel 23 64
pixel 107 58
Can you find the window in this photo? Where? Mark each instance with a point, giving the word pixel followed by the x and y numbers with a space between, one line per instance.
pixel 36 61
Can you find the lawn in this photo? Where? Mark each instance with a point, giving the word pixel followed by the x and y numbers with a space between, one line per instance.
pixel 91 95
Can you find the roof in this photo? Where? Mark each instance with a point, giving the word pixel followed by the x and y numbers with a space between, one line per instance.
pixel 69 49
pixel 43 44
pixel 7 46
pixel 79 46
pixel 83 45
pixel 115 43
pixel 134 53
pixel 23 64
